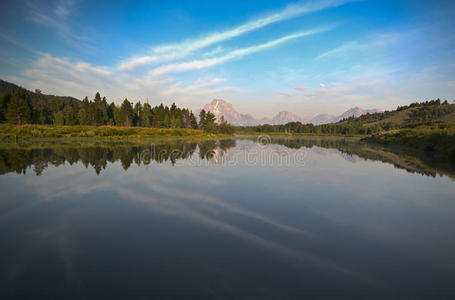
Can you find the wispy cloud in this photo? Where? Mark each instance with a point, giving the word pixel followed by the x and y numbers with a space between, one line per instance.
pixel 374 42
pixel 344 48
pixel 63 8
pixel 180 50
pixel 56 17
pixel 205 63
pixel 18 43
pixel 367 79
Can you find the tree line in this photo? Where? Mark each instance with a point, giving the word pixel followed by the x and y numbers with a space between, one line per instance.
pixel 19 108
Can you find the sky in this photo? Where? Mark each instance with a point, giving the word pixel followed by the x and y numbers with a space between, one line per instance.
pixel 307 57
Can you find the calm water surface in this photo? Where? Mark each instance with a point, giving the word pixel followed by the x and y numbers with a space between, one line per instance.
pixel 289 219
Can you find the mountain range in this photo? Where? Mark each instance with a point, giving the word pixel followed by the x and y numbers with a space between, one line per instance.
pixel 220 108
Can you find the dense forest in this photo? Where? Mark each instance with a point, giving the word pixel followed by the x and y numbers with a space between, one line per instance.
pixel 410 116
pixel 19 106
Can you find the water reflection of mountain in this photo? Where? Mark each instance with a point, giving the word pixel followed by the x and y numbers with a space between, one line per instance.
pixel 350 149
pixel 19 159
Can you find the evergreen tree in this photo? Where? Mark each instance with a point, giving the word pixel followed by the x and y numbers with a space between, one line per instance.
pixel 166 118
pixel 210 123
pixel 59 118
pixel 158 116
pixel 137 114
pixel 4 101
pixel 104 107
pixel 117 115
pixel 202 120
pixel 40 110
pixel 147 115
pixel 175 117
pixel 55 105
pixel 18 111
pixel 126 114
pixel 111 113
pixel 83 112
pixel 193 121
pixel 71 113
pixel 97 99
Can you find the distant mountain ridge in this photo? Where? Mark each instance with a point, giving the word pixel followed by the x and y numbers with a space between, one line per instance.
pixel 354 112
pixel 219 108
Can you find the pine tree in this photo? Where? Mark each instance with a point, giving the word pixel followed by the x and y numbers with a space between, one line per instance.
pixel 193 121
pixel 97 99
pixel 104 107
pixel 59 118
pixel 40 110
pixel 210 123
pixel 202 120
pixel 146 117
pixel 110 113
pixel 18 111
pixel 71 113
pixel 137 114
pixel 4 101
pixel 83 112
pixel 126 114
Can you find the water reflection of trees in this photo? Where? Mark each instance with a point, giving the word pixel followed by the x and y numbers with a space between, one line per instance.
pixel 98 156
pixel 19 159
pixel 414 162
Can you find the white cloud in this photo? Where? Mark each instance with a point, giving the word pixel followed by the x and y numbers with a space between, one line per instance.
pixel 322 85
pixel 205 63
pixel 180 50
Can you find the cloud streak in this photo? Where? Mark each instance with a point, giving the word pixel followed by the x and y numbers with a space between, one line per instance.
pixel 205 63
pixel 180 50
pixel 56 18
pixel 374 43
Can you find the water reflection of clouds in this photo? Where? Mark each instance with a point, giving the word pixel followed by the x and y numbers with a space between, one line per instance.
pixel 173 207
pixel 61 181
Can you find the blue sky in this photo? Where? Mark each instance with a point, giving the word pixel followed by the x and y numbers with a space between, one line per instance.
pixel 307 57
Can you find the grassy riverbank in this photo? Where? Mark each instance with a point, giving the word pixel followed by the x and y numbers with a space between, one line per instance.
pixel 11 133
pixel 436 138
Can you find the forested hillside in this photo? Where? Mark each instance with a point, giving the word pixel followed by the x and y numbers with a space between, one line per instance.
pixel 413 115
